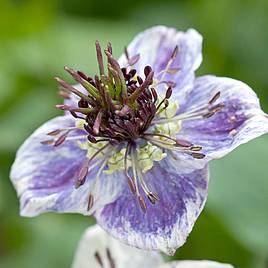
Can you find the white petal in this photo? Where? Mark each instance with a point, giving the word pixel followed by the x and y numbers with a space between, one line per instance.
pixel 96 240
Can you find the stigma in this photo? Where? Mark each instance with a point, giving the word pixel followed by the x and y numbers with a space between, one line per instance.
pixel 124 123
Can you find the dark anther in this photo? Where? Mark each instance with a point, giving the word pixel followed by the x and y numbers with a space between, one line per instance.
pixel 124 71
pixel 174 52
pixel 133 60
pixel 198 155
pixel 81 178
pixel 47 142
pixel 90 202
pixel 126 53
pixel 54 132
pixel 132 72
pixel 183 143
pixel 139 80
pixel 131 184
pixel 82 75
pixel 61 139
pixel 82 103
pixel 152 197
pixel 166 103
pixel 98 259
pixel 110 258
pixel 91 138
pixel 147 70
pixel 168 93
pixel 196 148
pixel 215 97
pixel 142 203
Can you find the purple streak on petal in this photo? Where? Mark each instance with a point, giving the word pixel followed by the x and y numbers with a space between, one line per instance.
pixel 166 225
pixel 238 122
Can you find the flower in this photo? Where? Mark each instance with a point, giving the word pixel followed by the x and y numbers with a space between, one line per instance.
pixel 98 250
pixel 133 146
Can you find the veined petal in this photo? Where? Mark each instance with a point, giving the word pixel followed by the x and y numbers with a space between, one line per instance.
pixel 95 241
pixel 165 225
pixel 239 121
pixel 155 46
pixel 195 264
pixel 44 176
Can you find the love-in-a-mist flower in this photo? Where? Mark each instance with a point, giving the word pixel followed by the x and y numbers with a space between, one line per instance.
pixel 133 145
pixel 98 250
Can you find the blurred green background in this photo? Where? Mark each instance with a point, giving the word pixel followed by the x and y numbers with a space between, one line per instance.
pixel 37 38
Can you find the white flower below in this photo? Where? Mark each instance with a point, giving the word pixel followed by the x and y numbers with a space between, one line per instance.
pixel 99 250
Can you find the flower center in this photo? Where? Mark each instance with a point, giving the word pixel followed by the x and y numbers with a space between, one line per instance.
pixel 119 106
pixel 126 123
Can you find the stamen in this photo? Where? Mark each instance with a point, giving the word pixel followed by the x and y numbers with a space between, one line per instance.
pixel 96 126
pixel 82 174
pixel 164 101
pixel 98 259
pixel 61 139
pixel 196 148
pixel 85 167
pixel 91 89
pixel 99 57
pixel 124 111
pixel 71 89
pixel 187 150
pixel 90 202
pixel 126 53
pixel 110 258
pixel 183 143
pixel 47 142
pixel 215 97
pixel 65 107
pixel 131 60
pixel 168 83
pixel 148 81
pixel 138 177
pixel 54 132
pixel 64 94
pixel 197 112
pixel 153 197
pixel 129 179
pixel 142 204
pixel 100 170
pixel 175 52
pixel 170 61
pixel 198 155
pixel 160 135
pixel 116 67
pixel 135 175
pixel 109 48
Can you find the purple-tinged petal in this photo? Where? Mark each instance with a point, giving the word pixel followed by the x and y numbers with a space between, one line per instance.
pixel 239 121
pixel 93 247
pixel 155 46
pixel 44 176
pixel 165 225
pixel 195 264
